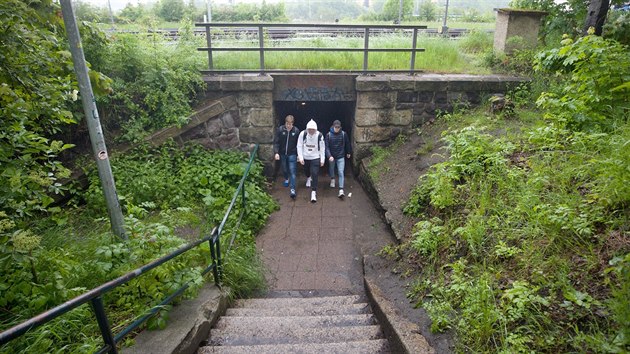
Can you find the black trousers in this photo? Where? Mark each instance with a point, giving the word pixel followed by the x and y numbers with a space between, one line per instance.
pixel 311 169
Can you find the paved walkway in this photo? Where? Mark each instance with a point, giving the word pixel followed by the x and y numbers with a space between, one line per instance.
pixel 319 246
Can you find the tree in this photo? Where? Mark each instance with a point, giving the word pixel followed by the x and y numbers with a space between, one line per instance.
pixel 391 9
pixel 596 16
pixel 428 11
pixel 85 11
pixel 132 13
pixel 171 10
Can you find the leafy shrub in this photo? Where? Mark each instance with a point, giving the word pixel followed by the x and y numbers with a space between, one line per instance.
pixel 154 84
pixel 598 71
pixel 617 27
pixel 177 187
pixel 531 214
pixel 37 94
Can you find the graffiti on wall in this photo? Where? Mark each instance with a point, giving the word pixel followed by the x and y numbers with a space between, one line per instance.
pixel 317 94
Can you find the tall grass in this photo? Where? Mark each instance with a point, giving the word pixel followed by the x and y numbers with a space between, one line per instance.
pixel 441 55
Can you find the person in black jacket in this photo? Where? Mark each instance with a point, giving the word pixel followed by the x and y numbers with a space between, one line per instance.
pixel 285 149
pixel 338 148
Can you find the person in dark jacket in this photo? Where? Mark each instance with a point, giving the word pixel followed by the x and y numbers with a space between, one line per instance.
pixel 338 148
pixel 285 149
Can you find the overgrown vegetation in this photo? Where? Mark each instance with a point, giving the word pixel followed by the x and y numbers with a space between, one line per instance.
pixel 154 81
pixel 170 196
pixel 523 243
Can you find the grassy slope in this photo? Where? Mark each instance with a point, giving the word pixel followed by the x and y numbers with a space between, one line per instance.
pixel 515 244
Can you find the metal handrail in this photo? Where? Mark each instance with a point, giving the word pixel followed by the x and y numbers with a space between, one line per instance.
pixel 260 27
pixel 95 295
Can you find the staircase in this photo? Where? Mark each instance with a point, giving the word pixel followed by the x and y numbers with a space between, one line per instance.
pixel 328 324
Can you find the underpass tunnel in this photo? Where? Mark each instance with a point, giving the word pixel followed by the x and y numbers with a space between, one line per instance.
pixel 324 113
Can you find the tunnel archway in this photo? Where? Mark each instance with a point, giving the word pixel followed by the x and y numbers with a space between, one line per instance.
pixel 323 113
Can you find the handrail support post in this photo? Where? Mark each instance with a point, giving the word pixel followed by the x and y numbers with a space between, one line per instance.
pixel 103 324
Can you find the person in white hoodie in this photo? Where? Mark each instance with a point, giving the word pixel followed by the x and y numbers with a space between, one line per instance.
pixel 311 151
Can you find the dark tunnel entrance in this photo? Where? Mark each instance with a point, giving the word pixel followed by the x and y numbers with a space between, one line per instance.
pixel 323 113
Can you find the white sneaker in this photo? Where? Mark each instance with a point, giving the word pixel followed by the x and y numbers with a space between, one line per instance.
pixel 313 197
pixel 340 195
pixel 332 183
pixel 308 182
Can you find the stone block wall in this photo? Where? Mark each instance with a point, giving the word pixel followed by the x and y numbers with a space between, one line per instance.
pixel 239 109
pixel 390 104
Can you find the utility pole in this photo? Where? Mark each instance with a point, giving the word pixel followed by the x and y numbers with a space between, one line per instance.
pixel 400 8
pixel 94 124
pixel 444 27
pixel 111 14
pixel 209 7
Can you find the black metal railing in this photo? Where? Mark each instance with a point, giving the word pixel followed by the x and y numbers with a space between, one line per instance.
pixel 95 296
pixel 260 29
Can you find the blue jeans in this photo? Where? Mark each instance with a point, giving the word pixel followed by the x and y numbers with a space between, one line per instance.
pixel 341 164
pixel 289 168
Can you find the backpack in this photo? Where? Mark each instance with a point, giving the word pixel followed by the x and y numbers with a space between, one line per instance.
pixel 319 137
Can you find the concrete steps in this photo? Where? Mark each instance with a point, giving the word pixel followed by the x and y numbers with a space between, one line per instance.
pixel 329 324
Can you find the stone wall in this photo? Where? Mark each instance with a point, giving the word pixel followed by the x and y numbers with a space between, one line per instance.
pixel 390 104
pixel 238 111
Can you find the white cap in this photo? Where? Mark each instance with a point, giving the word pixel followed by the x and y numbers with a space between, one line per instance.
pixel 311 125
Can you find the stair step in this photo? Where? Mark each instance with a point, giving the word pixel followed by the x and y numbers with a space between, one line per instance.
pixel 354 347
pixel 276 302
pixel 292 335
pixel 235 322
pixel 324 310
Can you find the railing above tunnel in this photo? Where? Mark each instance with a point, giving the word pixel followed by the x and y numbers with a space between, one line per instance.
pixel 275 31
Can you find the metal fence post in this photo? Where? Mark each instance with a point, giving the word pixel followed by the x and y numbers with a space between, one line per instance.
pixel 209 42
pixel 413 51
pixel 366 45
pixel 261 43
pixel 103 324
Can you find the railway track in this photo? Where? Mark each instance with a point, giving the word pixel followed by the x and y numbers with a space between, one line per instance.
pixel 292 33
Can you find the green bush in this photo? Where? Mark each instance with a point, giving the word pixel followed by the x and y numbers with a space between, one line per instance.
pixel 533 213
pixel 155 82
pixel 598 71
pixel 165 190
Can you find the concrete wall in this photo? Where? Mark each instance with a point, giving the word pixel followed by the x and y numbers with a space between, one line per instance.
pixel 513 23
pixel 238 111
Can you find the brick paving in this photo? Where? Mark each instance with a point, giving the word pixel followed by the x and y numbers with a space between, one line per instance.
pixel 311 246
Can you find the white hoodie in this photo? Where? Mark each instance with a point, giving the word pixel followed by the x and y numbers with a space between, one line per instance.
pixel 307 150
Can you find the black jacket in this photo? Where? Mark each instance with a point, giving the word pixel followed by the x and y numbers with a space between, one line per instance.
pixel 285 142
pixel 337 145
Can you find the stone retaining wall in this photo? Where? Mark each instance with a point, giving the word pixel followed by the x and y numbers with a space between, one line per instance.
pixel 239 112
pixel 390 104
